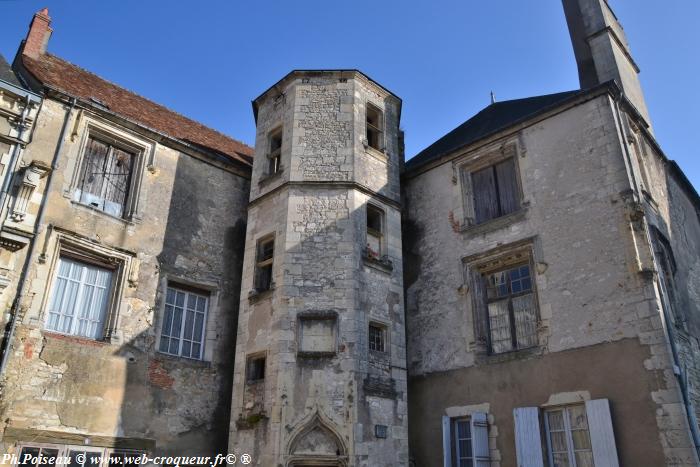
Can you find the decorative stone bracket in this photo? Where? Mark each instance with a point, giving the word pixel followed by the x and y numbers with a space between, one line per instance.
pixel 30 180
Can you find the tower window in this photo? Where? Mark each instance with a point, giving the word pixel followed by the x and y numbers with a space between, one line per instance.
pixel 375 127
pixel 495 191
pixel 375 231
pixel 255 369
pixel 274 156
pixel 263 264
pixel 377 337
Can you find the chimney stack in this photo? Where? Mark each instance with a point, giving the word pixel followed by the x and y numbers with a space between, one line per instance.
pixel 601 49
pixel 38 35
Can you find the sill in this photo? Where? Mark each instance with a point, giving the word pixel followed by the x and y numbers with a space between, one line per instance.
pixel 382 264
pixel 376 153
pixel 314 354
pixel 128 221
pixel 76 339
pixel 509 356
pixel 495 223
pixel 255 295
pixel 268 178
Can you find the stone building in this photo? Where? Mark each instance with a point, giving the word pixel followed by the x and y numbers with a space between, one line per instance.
pixel 523 292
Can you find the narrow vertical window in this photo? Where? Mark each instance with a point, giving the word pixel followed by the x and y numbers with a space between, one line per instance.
pixel 274 155
pixel 105 178
pixel 568 438
pixel 263 264
pixel 463 443
pixel 255 369
pixel 375 127
pixel 80 298
pixel 375 232
pixel 377 337
pixel 184 323
pixel 495 191
pixel 512 312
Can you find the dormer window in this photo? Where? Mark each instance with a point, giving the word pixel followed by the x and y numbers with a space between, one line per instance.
pixel 274 155
pixel 375 128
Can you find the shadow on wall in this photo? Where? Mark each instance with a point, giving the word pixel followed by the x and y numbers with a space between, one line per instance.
pixel 184 403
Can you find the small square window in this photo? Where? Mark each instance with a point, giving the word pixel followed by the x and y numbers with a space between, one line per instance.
pixel 377 338
pixel 495 191
pixel 255 369
pixel 263 264
pixel 274 155
pixel 375 232
pixel 375 127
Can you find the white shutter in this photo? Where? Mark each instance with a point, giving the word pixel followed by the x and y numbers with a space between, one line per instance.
pixel 446 444
pixel 480 439
pixel 602 436
pixel 528 442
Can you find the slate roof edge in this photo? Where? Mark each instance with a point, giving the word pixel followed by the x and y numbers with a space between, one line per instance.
pixel 412 170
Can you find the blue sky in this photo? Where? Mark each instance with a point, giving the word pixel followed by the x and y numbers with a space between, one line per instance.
pixel 209 59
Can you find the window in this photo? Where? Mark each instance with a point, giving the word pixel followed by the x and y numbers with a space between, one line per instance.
pixel 255 369
pixel 465 440
pixel 275 154
pixel 45 456
pixel 568 438
pixel 89 458
pixel 105 177
pixel 184 323
pixel 512 316
pixel 495 191
pixel 375 128
pixel 80 298
pixel 63 455
pixel 375 232
pixel 263 264
pixel 317 334
pixel 377 335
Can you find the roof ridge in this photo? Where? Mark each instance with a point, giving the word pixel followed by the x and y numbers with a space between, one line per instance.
pixel 56 57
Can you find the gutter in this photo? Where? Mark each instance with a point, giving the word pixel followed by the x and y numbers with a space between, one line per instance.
pixel 10 330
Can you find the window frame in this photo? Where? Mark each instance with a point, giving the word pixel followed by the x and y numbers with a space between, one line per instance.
pixel 274 156
pixel 108 133
pixel 84 260
pixel 188 291
pixel 383 330
pixel 379 129
pixel 456 439
pixel 64 450
pixel 380 235
pixel 567 430
pixel 249 361
pixel 265 262
pixel 499 202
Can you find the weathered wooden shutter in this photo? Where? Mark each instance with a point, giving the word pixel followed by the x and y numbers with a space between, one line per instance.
pixel 528 442
pixel 480 439
pixel 507 186
pixel 601 431
pixel 478 290
pixel 485 197
pixel 446 442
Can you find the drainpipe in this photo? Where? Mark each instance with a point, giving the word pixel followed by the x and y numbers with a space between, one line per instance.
pixel 16 151
pixel 665 306
pixel 10 330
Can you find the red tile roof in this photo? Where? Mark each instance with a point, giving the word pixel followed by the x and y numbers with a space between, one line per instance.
pixel 75 81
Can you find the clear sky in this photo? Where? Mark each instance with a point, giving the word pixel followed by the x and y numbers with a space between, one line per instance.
pixel 209 59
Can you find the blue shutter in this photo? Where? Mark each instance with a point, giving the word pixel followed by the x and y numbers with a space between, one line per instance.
pixel 480 439
pixel 528 441
pixel 446 444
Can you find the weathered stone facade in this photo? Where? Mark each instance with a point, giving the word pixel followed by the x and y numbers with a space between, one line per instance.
pixel 324 391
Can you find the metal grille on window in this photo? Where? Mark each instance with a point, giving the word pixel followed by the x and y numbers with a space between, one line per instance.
pixel 568 438
pixel 105 178
pixel 376 338
pixel 184 324
pixel 80 298
pixel 463 443
pixel 512 314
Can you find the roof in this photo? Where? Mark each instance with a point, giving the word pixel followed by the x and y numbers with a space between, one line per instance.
pixel 6 73
pixel 496 117
pixel 57 73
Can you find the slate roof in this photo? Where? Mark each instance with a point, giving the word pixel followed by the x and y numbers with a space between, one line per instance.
pixel 496 117
pixel 6 73
pixel 75 81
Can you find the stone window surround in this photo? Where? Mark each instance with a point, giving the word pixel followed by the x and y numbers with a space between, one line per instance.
pixel 473 161
pixel 64 451
pixel 123 264
pixel 142 148
pixel 329 315
pixel 385 327
pixel 254 294
pixel 248 359
pixel 380 154
pixel 528 249
pixel 211 289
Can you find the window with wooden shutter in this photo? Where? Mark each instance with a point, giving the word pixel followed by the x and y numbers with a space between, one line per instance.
pixel 105 178
pixel 466 441
pixel 495 191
